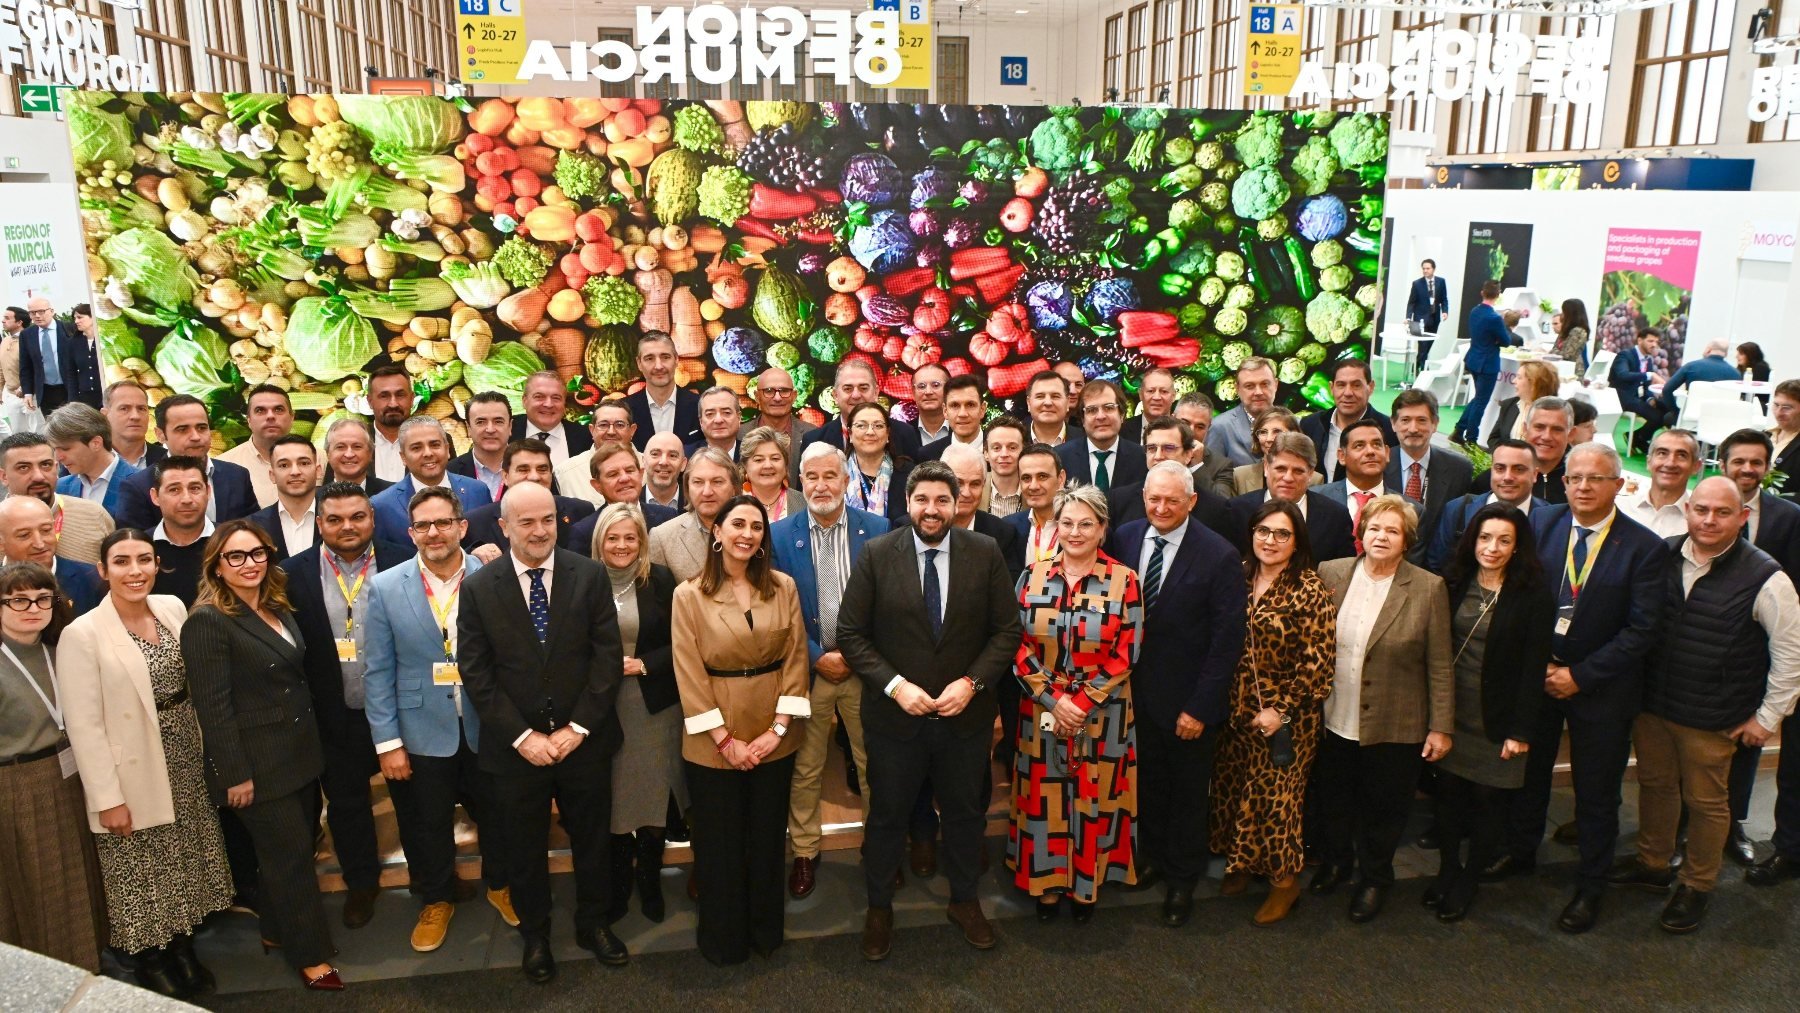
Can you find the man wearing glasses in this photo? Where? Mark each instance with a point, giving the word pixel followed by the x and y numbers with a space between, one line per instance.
pixel 56 363
pixel 611 424
pixel 929 385
pixel 490 430
pixel 775 409
pixel 1097 454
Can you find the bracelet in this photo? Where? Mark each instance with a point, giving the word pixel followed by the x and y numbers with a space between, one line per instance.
pixel 724 742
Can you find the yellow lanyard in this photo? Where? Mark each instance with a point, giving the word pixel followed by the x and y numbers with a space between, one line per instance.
pixel 442 614
pixel 350 592
pixel 1577 580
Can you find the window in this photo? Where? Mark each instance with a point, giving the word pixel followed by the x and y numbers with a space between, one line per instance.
pixel 795 92
pixel 1111 83
pixel 1358 33
pixel 743 92
pixel 315 53
pixel 953 70
pixel 617 89
pixel 225 59
pixel 1191 72
pixel 1678 78
pixel 1164 40
pixel 163 27
pixel 1482 124
pixel 1222 89
pixel 276 46
pixel 1562 126
pixel 914 96
pixel 349 66
pixel 379 25
pixel 1135 53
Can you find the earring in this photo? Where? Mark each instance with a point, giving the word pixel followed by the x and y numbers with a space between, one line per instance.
pixel 717 546
pixel 761 551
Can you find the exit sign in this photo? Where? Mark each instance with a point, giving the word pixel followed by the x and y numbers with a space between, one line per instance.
pixel 41 98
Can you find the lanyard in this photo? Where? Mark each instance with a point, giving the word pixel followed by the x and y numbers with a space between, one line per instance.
pixel 351 591
pixel 60 514
pixel 442 614
pixel 1576 580
pixel 55 711
pixel 1045 547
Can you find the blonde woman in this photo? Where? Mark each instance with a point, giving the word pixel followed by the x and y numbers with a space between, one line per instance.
pixel 763 453
pixel 1536 379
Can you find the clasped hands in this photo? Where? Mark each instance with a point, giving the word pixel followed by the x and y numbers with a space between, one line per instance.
pixel 746 755
pixel 947 704
pixel 548 750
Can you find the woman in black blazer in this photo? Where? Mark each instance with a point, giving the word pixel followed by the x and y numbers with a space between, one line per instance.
pixel 877 472
pixel 646 771
pixel 1502 613
pixel 245 669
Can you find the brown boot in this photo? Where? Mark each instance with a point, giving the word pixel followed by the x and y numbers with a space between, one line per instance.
pixel 1282 895
pixel 1235 884
pixel 976 929
pixel 878 933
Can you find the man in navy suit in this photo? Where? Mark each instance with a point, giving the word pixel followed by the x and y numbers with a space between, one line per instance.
pixel 721 422
pixel 1351 385
pixel 1428 303
pixel 546 401
pixel 82 439
pixel 1511 472
pixel 1193 633
pixel 28 535
pixel 1287 470
pixel 127 410
pixel 523 461
pixel 56 364
pixel 1363 457
pixel 818 548
pixel 1099 455
pixel 291 522
pixel 855 384
pixel 490 425
pixel 1167 438
pixel 661 406
pixel 618 477
pixel 1487 335
pixel 1633 371
pixel 183 427
pixel 1608 570
pixel 426 451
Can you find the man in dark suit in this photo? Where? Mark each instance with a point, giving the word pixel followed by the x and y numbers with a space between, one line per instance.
pixel 1419 470
pixel 819 548
pixel 490 425
pixel 126 405
pixel 1156 399
pixel 1196 409
pixel 183 427
pixel 1350 389
pixel 662 407
pixel 1193 633
pixel 28 535
pixel 1487 335
pixel 618 478
pixel 524 461
pixel 1428 302
pixel 291 521
pixel 721 422
pixel 1363 459
pixel 425 448
pixel 1287 469
pixel 928 706
pixel 855 384
pixel 350 456
pixel 1169 439
pixel 1512 470
pixel 964 410
pixel 541 659
pixel 1607 569
pixel 1633 372
pixel 326 585
pixel 56 364
pixel 971 472
pixel 546 401
pixel 1098 454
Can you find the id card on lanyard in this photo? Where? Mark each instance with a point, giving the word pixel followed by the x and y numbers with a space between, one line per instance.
pixel 1575 580
pixel 346 644
pixel 446 672
pixel 65 757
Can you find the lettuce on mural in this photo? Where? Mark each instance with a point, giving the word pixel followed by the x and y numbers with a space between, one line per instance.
pixel 303 240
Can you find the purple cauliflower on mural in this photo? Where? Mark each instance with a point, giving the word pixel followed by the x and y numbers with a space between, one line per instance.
pixel 1051 305
pixel 1321 218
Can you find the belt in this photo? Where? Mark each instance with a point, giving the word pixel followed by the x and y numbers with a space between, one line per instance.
pixel 171 703
pixel 24 758
pixel 745 673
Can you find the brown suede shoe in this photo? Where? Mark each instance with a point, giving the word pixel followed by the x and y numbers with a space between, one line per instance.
pixel 1280 901
pixel 1235 883
pixel 966 915
pixel 878 933
pixel 359 907
pixel 924 859
pixel 804 877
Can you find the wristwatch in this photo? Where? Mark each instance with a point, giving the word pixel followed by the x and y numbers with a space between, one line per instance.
pixel 977 683
pixel 779 730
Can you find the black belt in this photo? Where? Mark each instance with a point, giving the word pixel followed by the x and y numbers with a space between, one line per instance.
pixel 745 673
pixel 177 700
pixel 24 758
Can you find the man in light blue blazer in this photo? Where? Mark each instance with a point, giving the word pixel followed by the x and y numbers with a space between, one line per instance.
pixel 425 449
pixel 817 548
pixel 426 731
pixel 82 439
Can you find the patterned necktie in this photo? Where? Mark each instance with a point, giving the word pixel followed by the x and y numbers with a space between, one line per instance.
pixel 1415 483
pixel 934 593
pixel 1362 500
pixel 830 588
pixel 544 436
pixel 1153 571
pixel 1102 481
pixel 539 603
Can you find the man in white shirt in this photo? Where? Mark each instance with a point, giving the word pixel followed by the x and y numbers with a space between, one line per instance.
pixel 664 461
pixel 1230 435
pixel 490 429
pixel 661 406
pixel 270 415
pixel 1433 476
pixel 963 411
pixel 290 520
pixel 391 403
pixel 1363 457
pixel 1661 505
pixel 1041 477
pixel 930 388
pixel 546 402
pixel 775 396
pixel 1196 409
pixel 350 456
pixel 611 423
pixel 1156 398
pixel 1047 398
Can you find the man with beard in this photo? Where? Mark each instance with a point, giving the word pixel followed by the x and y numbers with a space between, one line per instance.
pixel 391 403
pixel 1230 435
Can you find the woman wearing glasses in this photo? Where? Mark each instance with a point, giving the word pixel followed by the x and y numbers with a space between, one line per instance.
pixel 1272 735
pixel 1267 425
pixel 50 893
pixel 764 453
pixel 1074 807
pixel 244 662
pixel 877 476
pixel 137 745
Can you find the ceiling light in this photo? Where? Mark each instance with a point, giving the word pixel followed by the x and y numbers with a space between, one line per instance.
pixel 1542 8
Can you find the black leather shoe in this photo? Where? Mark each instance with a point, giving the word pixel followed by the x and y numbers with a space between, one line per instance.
pixel 605 946
pixel 1178 906
pixel 1082 913
pixel 184 964
pixel 1580 915
pixel 1455 905
pixel 1432 897
pixel 1685 910
pixel 1367 903
pixel 1738 847
pixel 1507 866
pixel 1327 878
pixel 1429 839
pixel 1634 873
pixel 1148 876
pixel 1049 908
pixel 1774 870
pixel 538 964
pixel 155 973
pixel 1568 834
pixel 359 907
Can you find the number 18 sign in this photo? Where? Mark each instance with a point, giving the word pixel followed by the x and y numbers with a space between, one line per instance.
pixel 1271 56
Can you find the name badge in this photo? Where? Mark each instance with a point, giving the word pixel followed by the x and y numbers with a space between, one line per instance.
pixel 445 673
pixel 65 758
pixel 1564 615
pixel 346 648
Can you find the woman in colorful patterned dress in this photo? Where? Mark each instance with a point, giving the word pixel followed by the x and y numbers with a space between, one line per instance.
pixel 1074 810
pixel 1290 654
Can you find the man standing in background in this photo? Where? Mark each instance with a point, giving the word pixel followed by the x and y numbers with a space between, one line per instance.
pixel 53 360
pixel 271 416
pixel 1429 304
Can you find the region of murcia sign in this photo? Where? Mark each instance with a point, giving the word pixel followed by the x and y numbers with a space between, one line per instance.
pixel 57 44
pixel 1453 64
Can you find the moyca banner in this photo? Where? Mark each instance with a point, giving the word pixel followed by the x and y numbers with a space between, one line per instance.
pixel 303 241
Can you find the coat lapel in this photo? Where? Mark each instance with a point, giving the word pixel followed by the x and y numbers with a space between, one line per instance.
pixel 252 622
pixel 1175 568
pixel 127 652
pixel 806 579
pixel 1391 606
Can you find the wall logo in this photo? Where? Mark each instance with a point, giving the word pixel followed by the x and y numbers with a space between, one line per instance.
pixel 1453 64
pixel 57 44
pixel 1610 172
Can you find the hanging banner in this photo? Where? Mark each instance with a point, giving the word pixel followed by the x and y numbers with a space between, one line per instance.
pixel 916 50
pixel 1271 56
pixel 40 245
pixel 1648 282
pixel 1497 251
pixel 490 40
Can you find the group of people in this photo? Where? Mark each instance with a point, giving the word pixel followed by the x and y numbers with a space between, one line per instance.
pixel 1250 636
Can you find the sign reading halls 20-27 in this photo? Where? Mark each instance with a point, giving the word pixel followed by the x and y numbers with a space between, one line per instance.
pixel 1271 56
pixel 490 39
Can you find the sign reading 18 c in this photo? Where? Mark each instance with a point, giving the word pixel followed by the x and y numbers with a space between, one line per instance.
pixel 497 8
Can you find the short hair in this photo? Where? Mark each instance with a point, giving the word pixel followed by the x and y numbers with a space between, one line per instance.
pixel 1428 260
pixel 106 396
pixel 1012 422
pixel 1693 441
pixel 342 490
pixel 1601 450
pixel 19 313
pixel 293 440
pixel 1510 443
pixel 616 403
pixel 1082 494
pixel 1105 387
pixel 1042 450
pixel 1157 425
pixel 764 436
pixel 940 367
pixel 21 441
pixel 390 369
pixel 526 446
pixel 1413 397
pixel 960 451
pixel 174 401
pixel 1391 503
pixel 614 513
pixel 652 338
pixel 426 495
pixel 856 363
pixel 1362 423
pixel 489 397
pixel 419 422
pixel 1253 363
pixel 1350 362
pixel 1044 376
pixel 268 388
pixel 16 577
pixel 713 391
pixel 604 452
pixel 1490 289
pixel 176 462
pixel 967 381
pixel 1551 404
pixel 1716 346
pixel 734 475
pixel 78 423
pixel 1650 332
pixel 545 374
pixel 1747 436
pixel 1789 389
pixel 1172 468
pixel 933 471
pixel 824 448
pixel 1582 411
pixel 361 427
pixel 1298 444
pixel 1195 399
pixel 1301 560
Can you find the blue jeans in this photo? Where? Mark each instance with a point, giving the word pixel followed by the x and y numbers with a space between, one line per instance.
pixel 1469 426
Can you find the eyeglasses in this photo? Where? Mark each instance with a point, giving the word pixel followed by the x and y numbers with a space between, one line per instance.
pixel 1280 536
pixel 611 427
pixel 1078 527
pixel 869 427
pixel 1109 408
pixel 928 385
pixel 238 557
pixel 1591 479
pixel 19 603
pixel 776 391
pixel 427 527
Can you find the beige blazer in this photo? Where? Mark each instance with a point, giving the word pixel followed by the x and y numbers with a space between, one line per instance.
pixel 710 631
pixel 681 545
pixel 9 364
pixel 111 714
pixel 1409 682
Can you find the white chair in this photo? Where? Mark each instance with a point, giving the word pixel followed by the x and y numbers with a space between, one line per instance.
pixel 1722 418
pixel 1397 346
pixel 1599 369
pixel 1698 397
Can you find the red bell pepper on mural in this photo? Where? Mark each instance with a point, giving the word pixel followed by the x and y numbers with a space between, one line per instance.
pixel 774 205
pixel 1006 381
pixel 1138 328
pixel 909 281
pixel 979 260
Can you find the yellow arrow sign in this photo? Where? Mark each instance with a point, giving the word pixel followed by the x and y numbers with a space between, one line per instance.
pixel 1271 54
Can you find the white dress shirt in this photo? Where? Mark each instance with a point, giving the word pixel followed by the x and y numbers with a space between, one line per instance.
pixel 95 491
pixel 1043 542
pixel 554 439
pixel 662 413
pixel 1355 622
pixel 1755 506
pixel 298 531
pixel 389 465
pixel 1172 537
pixel 1406 466
pixel 933 435
pixel 1350 494
pixel 1334 434
pixel 1777 611
pixel 1664 520
pixel 162 533
pixel 942 563
pixel 1112 460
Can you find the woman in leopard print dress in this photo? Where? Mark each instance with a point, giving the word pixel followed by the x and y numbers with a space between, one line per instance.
pixel 1290 652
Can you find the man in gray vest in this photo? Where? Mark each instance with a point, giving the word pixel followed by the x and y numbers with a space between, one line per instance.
pixel 1726 671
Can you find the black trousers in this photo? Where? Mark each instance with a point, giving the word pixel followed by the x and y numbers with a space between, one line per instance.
pixel 1787 792
pixel 924 820
pixel 739 827
pixel 1599 749
pixel 1475 813
pixel 425 809
pixel 898 768
pixel 1741 781
pixel 349 806
pixel 240 850
pixel 1365 793
pixel 289 905
pixel 1008 691
pixel 582 789
pixel 1174 787
pixel 55 396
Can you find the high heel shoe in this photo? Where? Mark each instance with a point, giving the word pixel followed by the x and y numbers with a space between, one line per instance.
pixel 1281 900
pixel 1082 913
pixel 1047 910
pixel 329 981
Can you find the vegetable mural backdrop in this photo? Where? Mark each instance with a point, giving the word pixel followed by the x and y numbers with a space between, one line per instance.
pixel 237 239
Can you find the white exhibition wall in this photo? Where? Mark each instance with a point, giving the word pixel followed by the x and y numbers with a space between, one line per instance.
pixel 1743 300
pixel 41 247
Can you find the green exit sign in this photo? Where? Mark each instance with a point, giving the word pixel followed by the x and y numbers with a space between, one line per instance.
pixel 41 98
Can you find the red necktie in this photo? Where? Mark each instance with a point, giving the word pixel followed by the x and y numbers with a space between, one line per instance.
pixel 1415 486
pixel 1362 500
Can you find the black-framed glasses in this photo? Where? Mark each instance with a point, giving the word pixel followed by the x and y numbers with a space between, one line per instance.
pixel 427 527
pixel 776 391
pixel 21 603
pixel 611 426
pixel 238 557
pixel 1279 536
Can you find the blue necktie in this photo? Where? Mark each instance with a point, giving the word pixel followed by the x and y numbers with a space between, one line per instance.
pixel 934 594
pixel 540 604
pixel 47 346
pixel 1153 570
